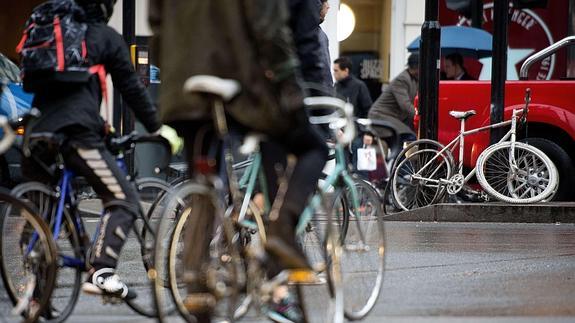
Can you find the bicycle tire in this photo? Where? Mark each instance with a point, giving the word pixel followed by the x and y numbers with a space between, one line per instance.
pixel 221 288
pixel 362 265
pixel 388 195
pixel 45 254
pixel 333 250
pixel 68 244
pixel 495 160
pixel 409 194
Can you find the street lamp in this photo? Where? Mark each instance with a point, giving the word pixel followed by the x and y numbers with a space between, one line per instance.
pixel 345 22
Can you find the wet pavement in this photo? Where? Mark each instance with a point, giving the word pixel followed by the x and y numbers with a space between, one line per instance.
pixel 435 272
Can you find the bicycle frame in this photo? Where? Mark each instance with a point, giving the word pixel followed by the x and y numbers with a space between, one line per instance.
pixel 64 188
pixel 460 139
pixel 66 195
pixel 339 172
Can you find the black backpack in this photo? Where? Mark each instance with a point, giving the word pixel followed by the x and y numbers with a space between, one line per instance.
pixel 53 46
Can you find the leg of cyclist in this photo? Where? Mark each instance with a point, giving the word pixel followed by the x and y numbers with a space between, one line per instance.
pixel 308 146
pixel 93 161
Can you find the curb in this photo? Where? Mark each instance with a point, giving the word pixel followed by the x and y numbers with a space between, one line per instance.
pixel 555 212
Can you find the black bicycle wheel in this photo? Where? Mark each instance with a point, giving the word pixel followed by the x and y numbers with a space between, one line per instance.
pixel 194 218
pixel 28 258
pixel 69 277
pixel 153 194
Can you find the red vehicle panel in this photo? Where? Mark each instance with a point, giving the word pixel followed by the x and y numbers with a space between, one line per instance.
pixel 552 103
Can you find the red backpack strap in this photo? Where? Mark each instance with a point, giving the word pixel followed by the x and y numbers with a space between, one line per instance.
pixel 100 70
pixel 24 38
pixel 59 43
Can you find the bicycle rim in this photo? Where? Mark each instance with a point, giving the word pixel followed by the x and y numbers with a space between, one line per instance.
pixel 363 251
pixel 220 270
pixel 69 276
pixel 28 258
pixel 535 178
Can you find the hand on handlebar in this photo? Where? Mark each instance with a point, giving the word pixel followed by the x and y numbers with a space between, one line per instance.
pixel 176 143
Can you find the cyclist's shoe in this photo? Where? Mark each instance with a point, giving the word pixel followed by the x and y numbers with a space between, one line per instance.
pixel 284 307
pixel 289 256
pixel 105 282
pixel 50 312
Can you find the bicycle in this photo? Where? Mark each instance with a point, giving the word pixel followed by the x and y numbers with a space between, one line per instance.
pixel 510 171
pixel 309 226
pixel 28 257
pixel 59 206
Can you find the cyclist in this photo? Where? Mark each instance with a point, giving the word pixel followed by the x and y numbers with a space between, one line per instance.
pixel 72 111
pixel 249 41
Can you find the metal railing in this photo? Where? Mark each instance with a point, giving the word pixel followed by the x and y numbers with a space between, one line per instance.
pixel 523 74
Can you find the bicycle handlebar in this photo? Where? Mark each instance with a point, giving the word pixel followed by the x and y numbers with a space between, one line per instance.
pixel 342 118
pixel 127 143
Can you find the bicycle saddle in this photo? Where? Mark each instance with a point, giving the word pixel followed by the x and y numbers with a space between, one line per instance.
pixel 462 114
pixel 224 88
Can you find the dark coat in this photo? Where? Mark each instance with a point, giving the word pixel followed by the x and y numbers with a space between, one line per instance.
pixel 304 22
pixel 79 104
pixel 355 92
pixel 327 78
pixel 248 41
pixel 396 100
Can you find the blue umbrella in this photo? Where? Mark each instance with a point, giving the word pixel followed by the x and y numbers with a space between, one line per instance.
pixel 467 41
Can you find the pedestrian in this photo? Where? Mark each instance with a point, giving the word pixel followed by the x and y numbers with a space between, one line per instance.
pixel 455 69
pixel 395 103
pixel 350 88
pixel 327 81
pixel 248 41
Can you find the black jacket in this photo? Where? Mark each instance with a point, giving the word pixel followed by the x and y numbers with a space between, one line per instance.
pixel 355 92
pixel 79 104
pixel 304 23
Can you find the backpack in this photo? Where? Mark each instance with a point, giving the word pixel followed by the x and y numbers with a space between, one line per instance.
pixel 53 46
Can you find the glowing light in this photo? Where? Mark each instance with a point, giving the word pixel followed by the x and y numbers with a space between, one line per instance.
pixel 345 22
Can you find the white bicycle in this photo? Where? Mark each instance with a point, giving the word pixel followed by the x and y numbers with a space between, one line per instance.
pixel 510 171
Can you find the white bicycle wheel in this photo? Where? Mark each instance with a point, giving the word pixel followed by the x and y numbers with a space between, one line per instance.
pixel 535 179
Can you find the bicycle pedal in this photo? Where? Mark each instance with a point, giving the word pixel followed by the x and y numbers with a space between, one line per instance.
pixel 303 276
pixel 200 302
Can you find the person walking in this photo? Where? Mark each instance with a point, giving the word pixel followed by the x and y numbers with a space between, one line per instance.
pixel 350 88
pixel 396 101
pixel 327 80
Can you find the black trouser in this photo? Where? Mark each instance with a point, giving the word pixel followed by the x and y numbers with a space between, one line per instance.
pixel 302 141
pixel 118 196
pixel 311 152
pixel 86 155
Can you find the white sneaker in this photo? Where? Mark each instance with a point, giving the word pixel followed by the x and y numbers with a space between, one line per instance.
pixel 105 282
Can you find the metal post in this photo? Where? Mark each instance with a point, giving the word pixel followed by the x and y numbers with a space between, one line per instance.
pixel 429 70
pixel 476 13
pixel 499 66
pixel 571 49
pixel 129 33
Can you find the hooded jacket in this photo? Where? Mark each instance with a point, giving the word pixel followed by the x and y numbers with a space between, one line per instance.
pixel 64 105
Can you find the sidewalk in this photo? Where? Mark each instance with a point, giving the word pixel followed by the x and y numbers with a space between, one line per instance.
pixel 552 212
